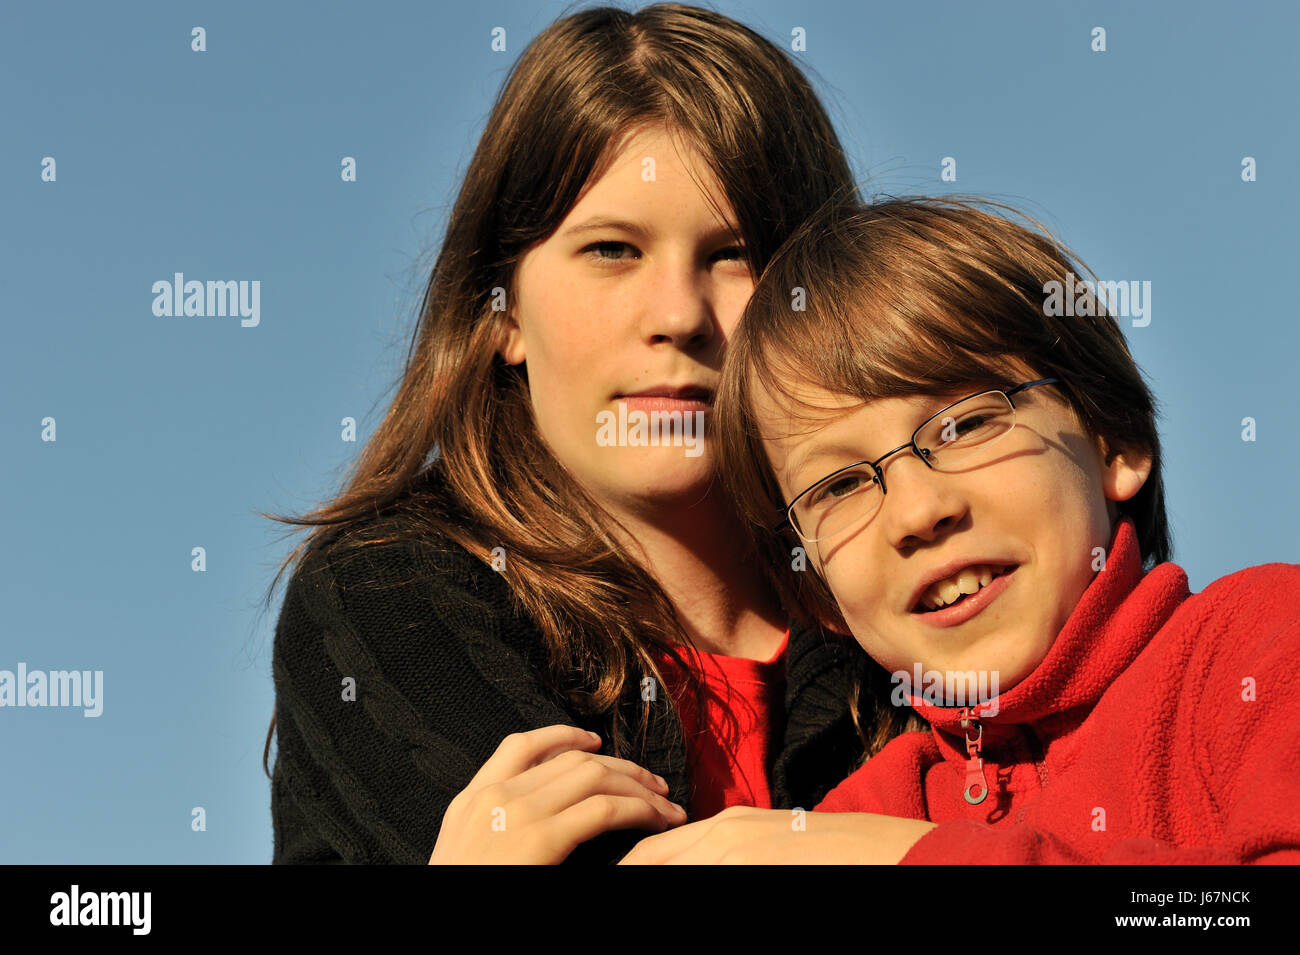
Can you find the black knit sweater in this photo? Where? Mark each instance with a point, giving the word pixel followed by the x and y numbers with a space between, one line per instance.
pixel 444 669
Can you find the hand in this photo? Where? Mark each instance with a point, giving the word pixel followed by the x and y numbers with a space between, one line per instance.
pixel 541 794
pixel 748 836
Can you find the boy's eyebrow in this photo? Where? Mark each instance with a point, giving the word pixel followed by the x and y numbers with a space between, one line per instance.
pixel 930 405
pixel 829 449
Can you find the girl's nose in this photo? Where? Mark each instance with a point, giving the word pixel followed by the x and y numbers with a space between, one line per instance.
pixel 678 309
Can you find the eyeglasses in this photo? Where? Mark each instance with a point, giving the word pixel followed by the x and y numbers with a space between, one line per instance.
pixel 848 497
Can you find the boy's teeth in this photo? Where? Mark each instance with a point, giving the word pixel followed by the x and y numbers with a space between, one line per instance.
pixel 967 581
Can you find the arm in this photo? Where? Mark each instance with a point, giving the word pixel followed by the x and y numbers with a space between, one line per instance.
pixel 391 694
pixel 744 835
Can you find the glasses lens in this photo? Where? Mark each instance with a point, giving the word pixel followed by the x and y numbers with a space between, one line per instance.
pixel 836 503
pixel 966 428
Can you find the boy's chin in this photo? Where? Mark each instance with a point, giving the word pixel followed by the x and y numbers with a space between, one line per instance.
pixel 996 672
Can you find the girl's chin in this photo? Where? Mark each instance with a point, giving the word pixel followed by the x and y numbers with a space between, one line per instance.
pixel 673 488
pixel 656 479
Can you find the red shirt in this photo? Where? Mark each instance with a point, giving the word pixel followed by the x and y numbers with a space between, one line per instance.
pixel 1159 728
pixel 727 751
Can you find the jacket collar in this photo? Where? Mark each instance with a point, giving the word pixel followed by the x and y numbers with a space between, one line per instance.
pixel 1118 614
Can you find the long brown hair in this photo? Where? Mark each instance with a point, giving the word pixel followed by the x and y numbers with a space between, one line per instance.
pixel 585 82
pixel 916 296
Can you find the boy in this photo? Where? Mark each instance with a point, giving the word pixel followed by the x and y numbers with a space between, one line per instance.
pixel 973 481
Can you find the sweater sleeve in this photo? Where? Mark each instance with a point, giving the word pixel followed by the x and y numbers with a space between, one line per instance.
pixel 1244 742
pixel 394 683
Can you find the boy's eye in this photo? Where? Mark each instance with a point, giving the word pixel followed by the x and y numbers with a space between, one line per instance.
pixel 841 486
pixel 970 425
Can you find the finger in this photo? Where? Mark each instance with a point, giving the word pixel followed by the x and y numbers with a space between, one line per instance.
pixel 522 751
pixel 518 796
pixel 567 763
pixel 588 776
pixel 599 814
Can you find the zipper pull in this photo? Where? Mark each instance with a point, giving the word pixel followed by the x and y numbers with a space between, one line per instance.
pixel 977 786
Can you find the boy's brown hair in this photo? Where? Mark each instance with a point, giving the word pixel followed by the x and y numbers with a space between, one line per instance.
pixel 918 296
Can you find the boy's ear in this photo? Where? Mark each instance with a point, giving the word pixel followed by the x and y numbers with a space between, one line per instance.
pixel 512 350
pixel 1123 473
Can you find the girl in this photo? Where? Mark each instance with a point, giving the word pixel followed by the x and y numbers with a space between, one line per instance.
pixel 504 573
pixel 976 482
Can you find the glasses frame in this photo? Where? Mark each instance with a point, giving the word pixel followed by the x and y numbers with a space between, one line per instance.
pixel 915 448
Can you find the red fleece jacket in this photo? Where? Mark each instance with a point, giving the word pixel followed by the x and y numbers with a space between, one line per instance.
pixel 1160 728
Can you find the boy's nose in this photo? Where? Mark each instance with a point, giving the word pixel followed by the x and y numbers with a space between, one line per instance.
pixel 921 504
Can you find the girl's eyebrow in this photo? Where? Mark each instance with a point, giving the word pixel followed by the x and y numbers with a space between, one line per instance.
pixel 605 223
pixel 601 222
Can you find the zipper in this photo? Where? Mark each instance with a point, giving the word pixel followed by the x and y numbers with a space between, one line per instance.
pixel 977 787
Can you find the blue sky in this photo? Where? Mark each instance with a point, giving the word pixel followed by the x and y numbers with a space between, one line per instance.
pixel 175 433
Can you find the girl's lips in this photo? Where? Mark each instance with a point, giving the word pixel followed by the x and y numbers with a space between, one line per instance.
pixel 970 606
pixel 664 403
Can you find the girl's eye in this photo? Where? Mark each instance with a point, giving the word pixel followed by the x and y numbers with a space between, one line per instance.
pixel 610 252
pixel 603 247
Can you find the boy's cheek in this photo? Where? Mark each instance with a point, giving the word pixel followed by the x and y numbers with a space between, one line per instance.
pixel 852 585
pixel 858 608
pixel 886 651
